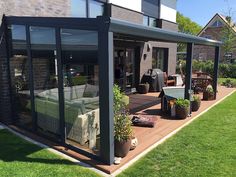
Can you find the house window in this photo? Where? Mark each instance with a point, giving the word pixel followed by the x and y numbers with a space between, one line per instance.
pixel 217 23
pixel 149 21
pixel 78 8
pixel 208 36
pixel 87 8
pixel 95 9
pixel 152 22
pixel 145 20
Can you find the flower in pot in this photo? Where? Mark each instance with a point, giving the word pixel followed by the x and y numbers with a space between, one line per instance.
pixel 122 125
pixel 208 93
pixel 195 103
pixel 182 107
pixel 143 88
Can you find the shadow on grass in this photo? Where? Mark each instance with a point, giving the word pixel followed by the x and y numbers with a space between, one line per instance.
pixel 14 149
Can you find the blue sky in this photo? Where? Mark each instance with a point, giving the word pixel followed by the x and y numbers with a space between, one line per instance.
pixel 201 11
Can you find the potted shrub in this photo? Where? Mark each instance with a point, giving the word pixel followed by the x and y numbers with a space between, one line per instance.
pixel 182 107
pixel 143 88
pixel 208 93
pixel 195 103
pixel 122 125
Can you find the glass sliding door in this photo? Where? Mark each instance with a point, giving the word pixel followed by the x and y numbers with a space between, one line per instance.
pixel 124 68
pixel 130 76
pixel 159 55
pixel 45 75
pixel 81 91
pixel 19 69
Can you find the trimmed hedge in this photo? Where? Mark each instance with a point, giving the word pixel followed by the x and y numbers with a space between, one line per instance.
pixel 225 70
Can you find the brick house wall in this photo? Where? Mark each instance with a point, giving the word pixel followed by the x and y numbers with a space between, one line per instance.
pixel 5 99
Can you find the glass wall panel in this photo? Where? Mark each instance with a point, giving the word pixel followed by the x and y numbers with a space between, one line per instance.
pixel 19 69
pixel 95 9
pixel 81 91
pixel 158 57
pixel 18 35
pixel 78 8
pixel 45 76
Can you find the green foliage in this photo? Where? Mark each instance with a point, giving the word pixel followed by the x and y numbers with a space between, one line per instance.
pixel 229 83
pixel 196 98
pixel 225 70
pixel 122 122
pixel 182 103
pixel 210 89
pixel 79 80
pixel 186 25
pixel 228 37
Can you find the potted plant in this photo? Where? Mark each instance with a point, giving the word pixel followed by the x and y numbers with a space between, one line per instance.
pixel 143 88
pixel 122 124
pixel 182 107
pixel 208 93
pixel 195 103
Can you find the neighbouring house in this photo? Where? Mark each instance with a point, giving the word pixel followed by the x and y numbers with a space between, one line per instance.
pixel 60 58
pixel 213 30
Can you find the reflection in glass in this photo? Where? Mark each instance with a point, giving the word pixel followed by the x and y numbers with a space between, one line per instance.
pixel 95 9
pixel 152 22
pixel 81 92
pixel 158 57
pixel 19 67
pixel 18 34
pixel 78 8
pixel 45 80
pixel 42 38
pixel 145 20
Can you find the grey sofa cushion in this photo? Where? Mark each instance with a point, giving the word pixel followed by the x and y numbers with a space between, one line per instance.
pixel 90 91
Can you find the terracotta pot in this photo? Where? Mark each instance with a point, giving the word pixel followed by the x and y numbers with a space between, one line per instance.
pixel 122 148
pixel 181 112
pixel 143 88
pixel 195 105
pixel 208 96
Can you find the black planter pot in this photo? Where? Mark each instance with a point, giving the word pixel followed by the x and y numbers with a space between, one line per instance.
pixel 208 96
pixel 195 105
pixel 122 148
pixel 143 88
pixel 181 112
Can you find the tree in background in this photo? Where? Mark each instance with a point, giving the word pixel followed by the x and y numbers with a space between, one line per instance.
pixel 228 37
pixel 186 25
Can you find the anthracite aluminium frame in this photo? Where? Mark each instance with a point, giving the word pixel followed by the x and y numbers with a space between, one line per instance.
pixel 106 26
pixel 106 103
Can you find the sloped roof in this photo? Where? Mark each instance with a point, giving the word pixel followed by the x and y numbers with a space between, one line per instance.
pixel 214 18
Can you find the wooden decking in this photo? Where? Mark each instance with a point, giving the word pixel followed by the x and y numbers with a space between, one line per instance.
pixel 146 136
pixel 164 126
pixel 139 102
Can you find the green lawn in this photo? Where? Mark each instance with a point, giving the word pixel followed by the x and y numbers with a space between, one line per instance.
pixel 207 147
pixel 21 158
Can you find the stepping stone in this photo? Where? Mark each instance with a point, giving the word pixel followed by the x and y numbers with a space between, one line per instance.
pixel 117 160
